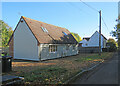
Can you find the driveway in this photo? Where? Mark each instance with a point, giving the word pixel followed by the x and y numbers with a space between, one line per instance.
pixel 106 73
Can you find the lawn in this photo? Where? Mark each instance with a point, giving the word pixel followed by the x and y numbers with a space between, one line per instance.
pixel 56 71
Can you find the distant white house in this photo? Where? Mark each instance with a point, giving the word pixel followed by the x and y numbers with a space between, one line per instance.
pixel 36 40
pixel 93 41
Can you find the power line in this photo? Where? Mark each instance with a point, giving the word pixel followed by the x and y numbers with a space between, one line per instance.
pixel 105 24
pixel 95 28
pixel 78 8
pixel 89 6
pixel 84 11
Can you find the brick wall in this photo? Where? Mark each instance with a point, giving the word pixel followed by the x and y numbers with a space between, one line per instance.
pixel 11 47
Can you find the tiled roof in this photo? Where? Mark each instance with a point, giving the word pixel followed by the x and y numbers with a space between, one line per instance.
pixel 54 34
pixel 86 38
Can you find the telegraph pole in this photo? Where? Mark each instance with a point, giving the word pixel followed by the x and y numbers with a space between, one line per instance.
pixel 100 33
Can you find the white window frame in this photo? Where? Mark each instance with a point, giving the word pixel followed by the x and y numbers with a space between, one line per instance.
pixel 44 29
pixel 52 48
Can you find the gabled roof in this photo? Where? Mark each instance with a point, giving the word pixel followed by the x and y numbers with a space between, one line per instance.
pixel 102 36
pixel 86 38
pixel 52 34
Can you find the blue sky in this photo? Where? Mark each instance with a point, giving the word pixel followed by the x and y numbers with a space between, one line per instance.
pixel 75 16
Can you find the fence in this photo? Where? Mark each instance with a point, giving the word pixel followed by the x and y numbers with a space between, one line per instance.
pixel 88 49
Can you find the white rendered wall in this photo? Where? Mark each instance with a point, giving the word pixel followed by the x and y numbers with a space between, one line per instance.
pixel 61 51
pixel 93 41
pixel 25 44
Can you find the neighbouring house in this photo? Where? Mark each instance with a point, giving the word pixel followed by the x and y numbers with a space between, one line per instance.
pixel 91 44
pixel 36 40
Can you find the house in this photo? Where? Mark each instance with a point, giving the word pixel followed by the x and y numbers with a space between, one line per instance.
pixel 93 42
pixel 36 40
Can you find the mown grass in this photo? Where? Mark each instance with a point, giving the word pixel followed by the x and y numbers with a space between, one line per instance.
pixel 93 57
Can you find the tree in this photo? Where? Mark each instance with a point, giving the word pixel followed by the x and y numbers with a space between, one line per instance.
pixel 5 33
pixel 76 36
pixel 112 43
pixel 111 40
pixel 116 32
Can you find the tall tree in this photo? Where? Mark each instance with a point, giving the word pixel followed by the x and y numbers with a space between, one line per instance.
pixel 6 32
pixel 116 32
pixel 76 36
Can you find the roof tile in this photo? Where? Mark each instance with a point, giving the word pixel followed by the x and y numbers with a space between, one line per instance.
pixel 54 35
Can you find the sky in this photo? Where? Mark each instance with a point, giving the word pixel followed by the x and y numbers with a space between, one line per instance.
pixel 74 16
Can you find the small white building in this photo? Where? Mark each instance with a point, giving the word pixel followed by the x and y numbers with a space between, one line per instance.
pixel 93 41
pixel 36 40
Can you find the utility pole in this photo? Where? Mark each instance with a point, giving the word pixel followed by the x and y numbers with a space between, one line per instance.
pixel 100 33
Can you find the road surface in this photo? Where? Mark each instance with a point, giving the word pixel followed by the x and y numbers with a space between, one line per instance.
pixel 106 73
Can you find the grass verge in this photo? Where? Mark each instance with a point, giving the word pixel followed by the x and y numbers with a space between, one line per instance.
pixel 62 70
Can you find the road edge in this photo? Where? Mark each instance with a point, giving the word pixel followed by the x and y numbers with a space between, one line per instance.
pixel 82 72
pixel 87 70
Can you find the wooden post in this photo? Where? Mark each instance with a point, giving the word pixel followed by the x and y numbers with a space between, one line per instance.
pixel 100 33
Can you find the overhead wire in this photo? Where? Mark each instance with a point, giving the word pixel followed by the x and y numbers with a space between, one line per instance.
pixel 89 13
pixel 78 8
pixel 96 11
pixel 92 9
pixel 105 24
pixel 89 6
pixel 95 28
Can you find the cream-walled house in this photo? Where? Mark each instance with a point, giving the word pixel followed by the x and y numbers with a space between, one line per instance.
pixel 36 40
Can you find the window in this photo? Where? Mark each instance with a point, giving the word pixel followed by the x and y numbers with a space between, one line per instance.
pixel 65 33
pixel 52 48
pixel 67 47
pixel 74 47
pixel 86 44
pixel 44 29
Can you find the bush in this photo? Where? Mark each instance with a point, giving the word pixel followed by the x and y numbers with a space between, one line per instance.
pixel 112 46
pixel 104 49
pixel 4 54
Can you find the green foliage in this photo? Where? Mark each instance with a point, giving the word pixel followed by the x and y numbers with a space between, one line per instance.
pixel 95 57
pixel 116 33
pixel 111 40
pixel 112 43
pixel 5 33
pixel 48 75
pixel 76 36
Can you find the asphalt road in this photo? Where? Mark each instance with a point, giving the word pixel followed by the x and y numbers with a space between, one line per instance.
pixel 106 73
